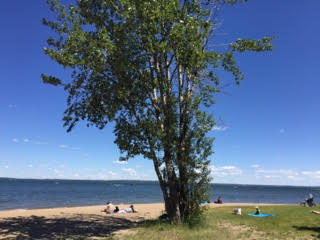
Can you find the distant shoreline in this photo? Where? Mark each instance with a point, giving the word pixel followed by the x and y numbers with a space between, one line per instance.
pixel 137 180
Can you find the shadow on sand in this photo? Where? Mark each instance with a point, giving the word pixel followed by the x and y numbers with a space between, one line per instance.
pixel 76 227
pixel 312 229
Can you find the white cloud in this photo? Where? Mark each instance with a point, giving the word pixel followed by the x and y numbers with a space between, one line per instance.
pixel 282 130
pixel 271 176
pixel 294 178
pixel 255 166
pixel 219 128
pixel 130 171
pixel 112 173
pixel 120 162
pixel 311 174
pixel 6 167
pixel 27 140
pixel 58 172
pixel 281 176
pixel 30 166
pixel 286 172
pixel 225 171
pixel 68 147
pixel 228 167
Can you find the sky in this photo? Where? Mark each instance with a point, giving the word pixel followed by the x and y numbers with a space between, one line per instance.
pixel 267 128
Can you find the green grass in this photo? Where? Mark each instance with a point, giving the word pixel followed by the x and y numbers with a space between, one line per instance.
pixel 291 222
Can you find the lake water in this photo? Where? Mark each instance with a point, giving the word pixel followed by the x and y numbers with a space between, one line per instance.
pixel 27 193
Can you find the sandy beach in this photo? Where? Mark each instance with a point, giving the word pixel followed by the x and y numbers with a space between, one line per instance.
pixel 145 211
pixel 86 221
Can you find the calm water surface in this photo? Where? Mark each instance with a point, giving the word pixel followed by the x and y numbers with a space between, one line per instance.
pixel 27 193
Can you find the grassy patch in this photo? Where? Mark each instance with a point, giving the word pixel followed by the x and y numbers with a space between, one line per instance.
pixel 291 222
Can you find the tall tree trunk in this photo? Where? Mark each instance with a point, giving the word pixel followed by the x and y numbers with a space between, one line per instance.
pixel 173 199
pixel 168 187
pixel 170 197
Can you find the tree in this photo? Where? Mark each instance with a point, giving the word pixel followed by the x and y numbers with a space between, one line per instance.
pixel 146 65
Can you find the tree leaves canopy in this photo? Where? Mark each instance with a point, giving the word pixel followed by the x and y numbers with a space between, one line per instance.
pixel 146 65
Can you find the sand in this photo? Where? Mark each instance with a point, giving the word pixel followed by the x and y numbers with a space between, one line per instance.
pixel 87 222
pixel 143 210
pixel 146 211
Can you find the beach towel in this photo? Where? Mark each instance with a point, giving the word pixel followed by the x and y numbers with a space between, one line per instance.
pixel 203 202
pixel 261 215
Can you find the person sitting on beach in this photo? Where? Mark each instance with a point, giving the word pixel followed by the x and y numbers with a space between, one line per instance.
pixel 116 210
pixel 308 201
pixel 257 211
pixel 128 210
pixel 109 208
pixel 219 200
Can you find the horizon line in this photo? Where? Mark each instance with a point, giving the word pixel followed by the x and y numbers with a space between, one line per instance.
pixel 139 180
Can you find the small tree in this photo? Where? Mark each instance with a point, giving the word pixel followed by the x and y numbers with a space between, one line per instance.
pixel 146 65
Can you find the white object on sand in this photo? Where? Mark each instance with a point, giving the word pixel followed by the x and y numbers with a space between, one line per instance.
pixel 237 211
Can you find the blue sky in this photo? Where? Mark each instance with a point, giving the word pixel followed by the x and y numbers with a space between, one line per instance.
pixel 268 128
